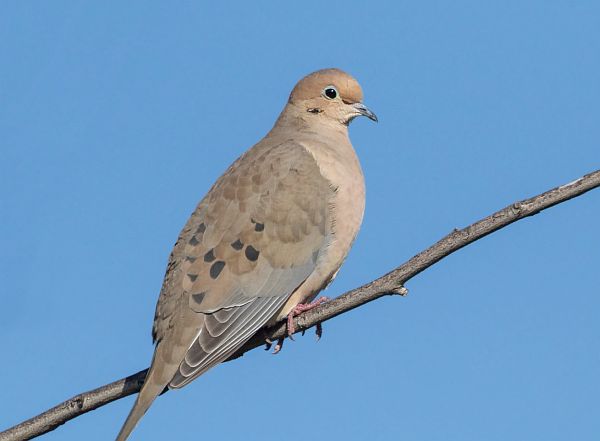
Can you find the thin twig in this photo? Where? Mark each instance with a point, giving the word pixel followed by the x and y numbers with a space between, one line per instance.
pixel 389 284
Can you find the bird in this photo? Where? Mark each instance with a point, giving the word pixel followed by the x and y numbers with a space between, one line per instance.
pixel 270 234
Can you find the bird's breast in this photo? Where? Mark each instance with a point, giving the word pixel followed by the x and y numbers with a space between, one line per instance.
pixel 340 166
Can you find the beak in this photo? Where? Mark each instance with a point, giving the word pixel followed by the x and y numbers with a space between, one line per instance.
pixel 365 111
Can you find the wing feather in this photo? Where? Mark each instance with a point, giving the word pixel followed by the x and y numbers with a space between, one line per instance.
pixel 247 247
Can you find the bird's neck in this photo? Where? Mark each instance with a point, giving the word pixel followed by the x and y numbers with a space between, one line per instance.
pixel 296 119
pixel 326 139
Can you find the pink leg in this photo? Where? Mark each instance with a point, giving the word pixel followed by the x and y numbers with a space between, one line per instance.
pixel 299 309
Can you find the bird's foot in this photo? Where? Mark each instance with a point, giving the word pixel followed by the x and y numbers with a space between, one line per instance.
pixel 291 328
pixel 299 309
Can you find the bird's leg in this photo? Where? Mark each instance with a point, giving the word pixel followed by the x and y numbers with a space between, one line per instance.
pixel 299 309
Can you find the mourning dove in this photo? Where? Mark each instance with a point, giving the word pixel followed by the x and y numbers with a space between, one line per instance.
pixel 270 234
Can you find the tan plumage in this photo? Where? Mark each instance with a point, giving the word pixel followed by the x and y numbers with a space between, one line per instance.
pixel 271 233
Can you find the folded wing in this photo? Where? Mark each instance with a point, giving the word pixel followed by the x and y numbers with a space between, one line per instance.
pixel 247 247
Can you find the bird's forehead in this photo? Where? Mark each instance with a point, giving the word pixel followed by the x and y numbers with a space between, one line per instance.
pixel 312 85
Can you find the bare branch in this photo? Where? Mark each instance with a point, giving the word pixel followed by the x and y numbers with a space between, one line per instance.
pixel 389 284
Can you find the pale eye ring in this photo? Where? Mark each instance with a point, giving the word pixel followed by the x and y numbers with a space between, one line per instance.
pixel 330 92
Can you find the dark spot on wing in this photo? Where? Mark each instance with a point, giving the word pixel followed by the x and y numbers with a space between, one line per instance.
pixel 190 259
pixel 210 256
pixel 251 253
pixel 237 245
pixel 258 226
pixel 192 277
pixel 193 241
pixel 201 228
pixel 216 268
pixel 198 297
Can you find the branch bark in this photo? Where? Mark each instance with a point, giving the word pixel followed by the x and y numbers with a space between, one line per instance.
pixel 389 284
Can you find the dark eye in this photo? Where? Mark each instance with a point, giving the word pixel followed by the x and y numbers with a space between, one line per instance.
pixel 330 92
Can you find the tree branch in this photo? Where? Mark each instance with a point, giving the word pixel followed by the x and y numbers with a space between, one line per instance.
pixel 389 284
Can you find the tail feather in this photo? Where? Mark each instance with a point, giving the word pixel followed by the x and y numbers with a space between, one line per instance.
pixel 155 383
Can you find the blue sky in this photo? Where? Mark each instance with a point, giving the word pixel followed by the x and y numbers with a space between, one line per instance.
pixel 117 117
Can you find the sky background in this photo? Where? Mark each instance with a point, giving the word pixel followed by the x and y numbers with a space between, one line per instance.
pixel 116 117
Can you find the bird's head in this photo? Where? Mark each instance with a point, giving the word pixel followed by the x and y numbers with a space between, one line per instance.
pixel 331 94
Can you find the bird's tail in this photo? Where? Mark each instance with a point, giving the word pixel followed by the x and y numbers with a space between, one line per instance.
pixel 157 379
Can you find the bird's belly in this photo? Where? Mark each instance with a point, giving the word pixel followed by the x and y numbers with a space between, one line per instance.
pixel 347 214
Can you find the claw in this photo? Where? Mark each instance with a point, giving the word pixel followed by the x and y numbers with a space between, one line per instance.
pixel 319 331
pixel 278 346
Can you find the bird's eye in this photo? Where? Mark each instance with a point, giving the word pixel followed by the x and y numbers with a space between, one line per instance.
pixel 330 92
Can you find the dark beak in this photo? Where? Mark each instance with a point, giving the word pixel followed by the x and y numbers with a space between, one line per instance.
pixel 365 111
